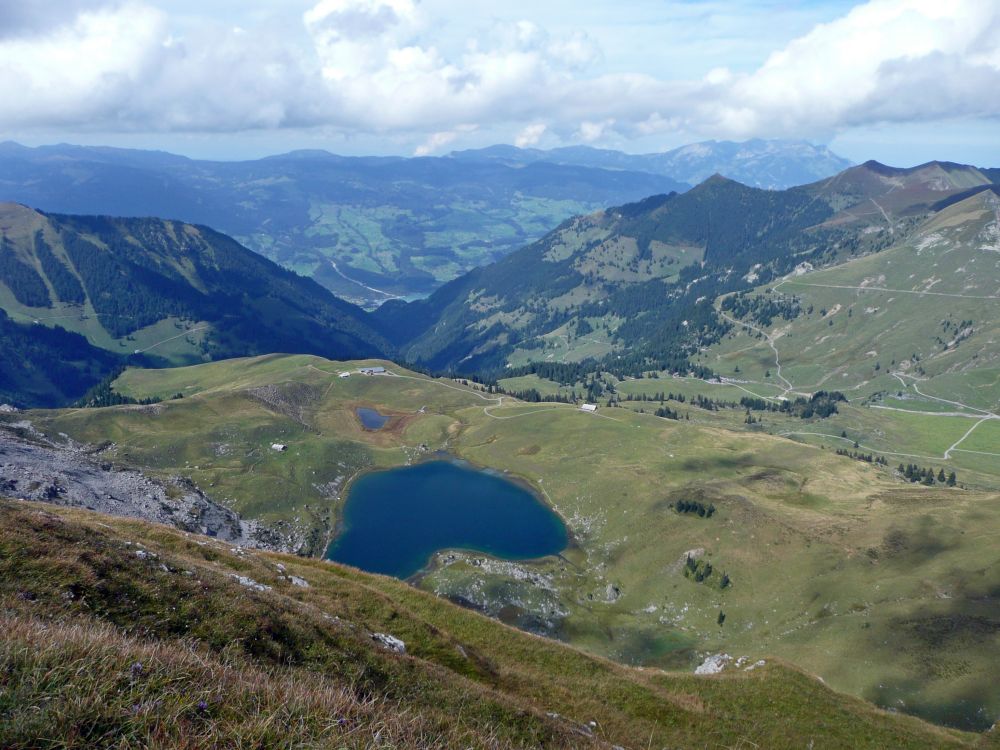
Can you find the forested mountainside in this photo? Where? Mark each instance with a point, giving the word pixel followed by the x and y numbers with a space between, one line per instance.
pixel 171 292
pixel 42 366
pixel 633 288
pixel 365 227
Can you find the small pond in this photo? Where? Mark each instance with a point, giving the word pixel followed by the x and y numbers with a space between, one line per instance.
pixel 371 419
pixel 395 520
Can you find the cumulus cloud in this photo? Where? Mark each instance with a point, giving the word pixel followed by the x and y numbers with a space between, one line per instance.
pixel 530 135
pixel 437 141
pixel 380 66
pixel 881 53
pixel 85 68
pixel 592 131
pixel 18 18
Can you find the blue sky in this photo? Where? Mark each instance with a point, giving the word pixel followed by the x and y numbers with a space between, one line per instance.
pixel 902 81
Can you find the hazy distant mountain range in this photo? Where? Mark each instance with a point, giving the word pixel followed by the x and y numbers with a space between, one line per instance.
pixel 369 228
pixel 365 227
pixel 774 165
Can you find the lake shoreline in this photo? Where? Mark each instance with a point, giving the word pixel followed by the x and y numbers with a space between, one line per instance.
pixel 512 501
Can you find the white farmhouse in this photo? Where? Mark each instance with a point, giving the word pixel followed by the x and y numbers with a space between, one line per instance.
pixel 589 408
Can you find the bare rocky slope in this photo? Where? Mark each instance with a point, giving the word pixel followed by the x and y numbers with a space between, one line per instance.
pixel 33 467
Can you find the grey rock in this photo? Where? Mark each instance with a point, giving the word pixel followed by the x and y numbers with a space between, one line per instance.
pixel 250 583
pixel 35 468
pixel 391 642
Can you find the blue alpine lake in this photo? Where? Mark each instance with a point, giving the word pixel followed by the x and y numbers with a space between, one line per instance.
pixel 371 419
pixel 395 520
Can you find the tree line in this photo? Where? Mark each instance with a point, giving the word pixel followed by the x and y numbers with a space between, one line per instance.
pixel 695 506
pixel 762 309
pixel 926 476
pixel 701 571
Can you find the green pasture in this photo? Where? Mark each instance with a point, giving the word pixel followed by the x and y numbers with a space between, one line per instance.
pixel 834 563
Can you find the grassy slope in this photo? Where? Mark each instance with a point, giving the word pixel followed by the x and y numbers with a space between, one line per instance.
pixel 855 339
pixel 134 635
pixel 880 587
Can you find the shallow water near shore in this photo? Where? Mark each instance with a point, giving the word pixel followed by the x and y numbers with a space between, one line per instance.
pixel 371 419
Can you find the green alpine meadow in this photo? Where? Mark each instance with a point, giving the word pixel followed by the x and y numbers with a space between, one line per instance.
pixel 419 375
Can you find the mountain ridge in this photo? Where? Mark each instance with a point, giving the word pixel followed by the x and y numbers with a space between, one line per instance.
pixel 368 228
pixel 775 164
pixel 652 263
pixel 169 292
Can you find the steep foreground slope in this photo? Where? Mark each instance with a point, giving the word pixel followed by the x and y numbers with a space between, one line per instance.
pixel 119 633
pixel 172 292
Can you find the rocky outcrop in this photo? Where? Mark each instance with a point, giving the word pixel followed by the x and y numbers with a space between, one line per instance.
pixel 390 642
pixel 33 468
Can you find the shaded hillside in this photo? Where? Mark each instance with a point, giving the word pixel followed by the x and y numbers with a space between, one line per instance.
pixel 41 366
pixel 191 643
pixel 871 191
pixel 174 292
pixel 632 287
pixel 398 225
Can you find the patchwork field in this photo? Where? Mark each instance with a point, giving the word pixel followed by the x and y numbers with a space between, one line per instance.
pixel 884 588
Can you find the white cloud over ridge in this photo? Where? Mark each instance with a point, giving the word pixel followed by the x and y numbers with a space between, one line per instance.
pixel 377 66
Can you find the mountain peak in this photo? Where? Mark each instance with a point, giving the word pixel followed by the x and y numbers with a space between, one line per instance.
pixel 303 154
pixel 15 212
pixel 933 176
pixel 716 180
pixel 879 168
pixel 717 177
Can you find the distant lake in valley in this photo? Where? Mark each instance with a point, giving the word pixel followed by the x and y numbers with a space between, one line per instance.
pixel 395 520
pixel 371 419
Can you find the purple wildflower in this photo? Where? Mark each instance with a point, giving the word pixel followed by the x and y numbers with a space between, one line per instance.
pixel 136 670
